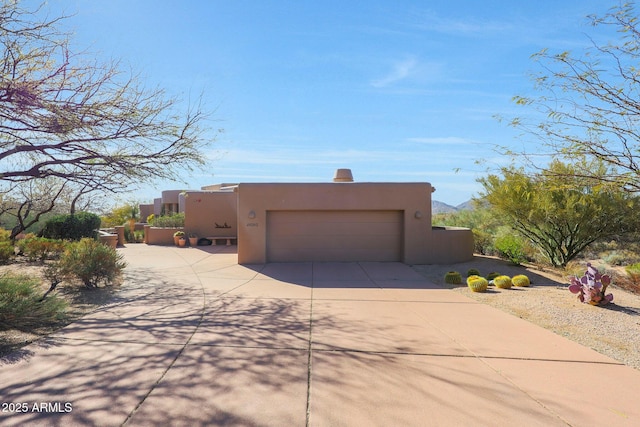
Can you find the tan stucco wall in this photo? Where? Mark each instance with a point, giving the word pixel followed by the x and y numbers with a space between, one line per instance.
pixel 450 245
pixel 170 201
pixel 256 199
pixel 204 209
pixel 145 211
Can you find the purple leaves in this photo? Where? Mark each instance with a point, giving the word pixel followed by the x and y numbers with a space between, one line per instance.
pixel 591 287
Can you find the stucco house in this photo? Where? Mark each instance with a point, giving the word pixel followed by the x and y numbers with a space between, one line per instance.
pixel 330 221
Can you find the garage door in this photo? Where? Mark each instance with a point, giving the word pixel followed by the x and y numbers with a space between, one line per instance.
pixel 294 236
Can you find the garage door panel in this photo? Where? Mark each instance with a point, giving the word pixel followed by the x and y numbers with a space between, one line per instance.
pixel 334 236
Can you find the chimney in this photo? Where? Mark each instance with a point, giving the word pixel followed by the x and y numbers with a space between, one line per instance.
pixel 343 175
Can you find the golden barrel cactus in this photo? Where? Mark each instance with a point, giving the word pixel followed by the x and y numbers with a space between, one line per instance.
pixel 520 280
pixel 502 282
pixel 477 284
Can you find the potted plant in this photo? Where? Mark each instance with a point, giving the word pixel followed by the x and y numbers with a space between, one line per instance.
pixel 193 240
pixel 177 236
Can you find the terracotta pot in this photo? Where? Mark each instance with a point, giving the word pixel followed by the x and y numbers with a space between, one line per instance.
pixel 182 242
pixel 193 241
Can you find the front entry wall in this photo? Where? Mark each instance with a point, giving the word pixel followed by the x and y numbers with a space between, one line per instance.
pixel 292 222
pixel 334 236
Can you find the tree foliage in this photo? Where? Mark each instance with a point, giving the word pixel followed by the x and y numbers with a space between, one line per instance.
pixel 589 100
pixel 64 114
pixel 559 210
pixel 72 227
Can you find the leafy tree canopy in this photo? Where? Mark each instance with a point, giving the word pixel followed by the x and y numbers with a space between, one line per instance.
pixel 587 103
pixel 560 210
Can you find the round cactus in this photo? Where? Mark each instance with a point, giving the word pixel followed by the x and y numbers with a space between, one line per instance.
pixel 502 282
pixel 473 272
pixel 453 278
pixel 493 275
pixel 520 280
pixel 478 284
pixel 472 278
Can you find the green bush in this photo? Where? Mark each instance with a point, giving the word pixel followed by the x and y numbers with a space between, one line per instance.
pixel 72 227
pixel 6 251
pixel 90 262
pixel 483 242
pixel 169 221
pixel 41 248
pixel 620 257
pixel 22 307
pixel 4 235
pixel 511 247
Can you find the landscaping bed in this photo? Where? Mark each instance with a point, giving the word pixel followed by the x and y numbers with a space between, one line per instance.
pixel 612 329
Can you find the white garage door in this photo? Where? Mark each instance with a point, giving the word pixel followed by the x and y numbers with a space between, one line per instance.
pixel 294 236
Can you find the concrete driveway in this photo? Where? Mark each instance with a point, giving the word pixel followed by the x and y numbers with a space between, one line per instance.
pixel 195 339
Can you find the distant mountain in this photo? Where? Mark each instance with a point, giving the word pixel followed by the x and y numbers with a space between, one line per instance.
pixel 466 205
pixel 440 207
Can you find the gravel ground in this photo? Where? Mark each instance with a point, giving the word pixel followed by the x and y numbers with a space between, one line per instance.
pixel 613 329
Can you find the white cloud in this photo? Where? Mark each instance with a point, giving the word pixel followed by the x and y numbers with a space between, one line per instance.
pixel 400 71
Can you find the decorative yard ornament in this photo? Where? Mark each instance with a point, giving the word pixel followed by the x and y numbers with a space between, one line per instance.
pixel 592 286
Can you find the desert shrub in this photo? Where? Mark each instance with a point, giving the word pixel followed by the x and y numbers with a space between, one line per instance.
pixel 41 248
pixel 453 278
pixel 6 251
pixel 483 242
pixel 22 307
pixel 620 257
pixel 72 227
pixel 134 236
pixel 631 281
pixel 90 262
pixel 4 235
pixel 473 272
pixel 511 247
pixel 633 271
pixel 169 221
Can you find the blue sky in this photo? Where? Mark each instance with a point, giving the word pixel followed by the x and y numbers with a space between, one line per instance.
pixel 394 90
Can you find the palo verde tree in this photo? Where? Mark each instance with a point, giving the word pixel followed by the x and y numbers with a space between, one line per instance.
pixel 589 100
pixel 65 115
pixel 558 210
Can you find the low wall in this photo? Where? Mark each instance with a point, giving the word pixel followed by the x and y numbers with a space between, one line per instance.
pixel 451 245
pixel 108 239
pixel 159 236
